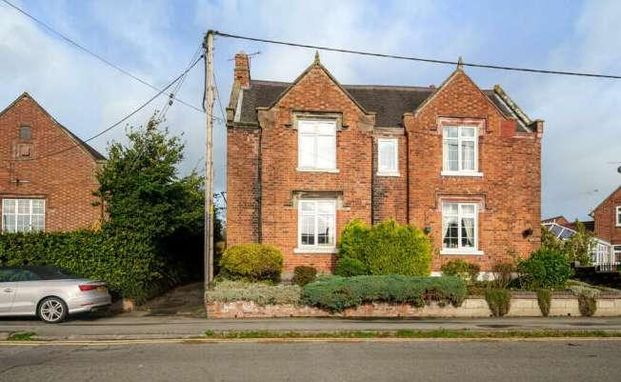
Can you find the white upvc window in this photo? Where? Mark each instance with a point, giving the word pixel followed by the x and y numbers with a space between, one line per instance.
pixel 460 228
pixel 317 145
pixel 460 151
pixel 618 216
pixel 23 215
pixel 388 157
pixel 316 225
pixel 617 254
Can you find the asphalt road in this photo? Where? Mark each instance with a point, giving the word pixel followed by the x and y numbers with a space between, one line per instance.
pixel 556 360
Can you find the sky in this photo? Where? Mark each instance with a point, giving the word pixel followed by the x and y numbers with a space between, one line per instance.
pixel 156 40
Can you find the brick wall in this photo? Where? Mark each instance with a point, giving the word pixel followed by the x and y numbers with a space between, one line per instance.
pixel 263 180
pixel 65 181
pixel 605 218
pixel 509 190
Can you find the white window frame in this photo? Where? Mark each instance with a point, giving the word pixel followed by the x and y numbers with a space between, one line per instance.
pixel 462 250
pixel 394 142
pixel 616 254
pixel 618 216
pixel 314 167
pixel 16 214
pixel 315 248
pixel 460 171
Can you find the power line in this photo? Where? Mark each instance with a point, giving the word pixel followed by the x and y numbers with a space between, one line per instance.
pixel 97 56
pixel 427 60
pixel 128 116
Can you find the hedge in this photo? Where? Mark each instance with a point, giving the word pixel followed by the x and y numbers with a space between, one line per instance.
pixel 339 293
pixel 545 268
pixel 125 261
pixel 252 262
pixel 383 249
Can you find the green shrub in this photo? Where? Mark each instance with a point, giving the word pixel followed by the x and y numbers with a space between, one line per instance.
pixel 260 293
pixel 387 248
pixel 303 275
pixel 462 269
pixel 587 305
pixel 347 267
pixel 544 299
pixel 545 268
pixel 339 293
pixel 499 301
pixel 125 260
pixel 503 273
pixel 253 262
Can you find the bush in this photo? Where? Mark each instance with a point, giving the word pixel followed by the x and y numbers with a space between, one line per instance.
pixel 253 262
pixel 587 305
pixel 347 267
pixel 544 299
pixel 545 268
pixel 387 248
pixel 504 274
pixel 339 293
pixel 125 260
pixel 260 293
pixel 303 275
pixel 499 301
pixel 462 269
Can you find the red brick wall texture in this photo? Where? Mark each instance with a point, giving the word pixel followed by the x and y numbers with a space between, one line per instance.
pixel 262 175
pixel 605 216
pixel 65 181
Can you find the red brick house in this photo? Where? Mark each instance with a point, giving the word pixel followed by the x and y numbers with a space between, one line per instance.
pixel 47 174
pixel 304 158
pixel 607 217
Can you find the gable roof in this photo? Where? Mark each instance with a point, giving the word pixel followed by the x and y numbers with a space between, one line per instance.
pixel 388 102
pixel 79 142
pixel 605 200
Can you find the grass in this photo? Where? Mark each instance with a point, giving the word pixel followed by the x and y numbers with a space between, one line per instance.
pixel 439 333
pixel 21 336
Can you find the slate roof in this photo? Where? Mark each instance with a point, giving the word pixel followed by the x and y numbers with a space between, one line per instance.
pixel 388 102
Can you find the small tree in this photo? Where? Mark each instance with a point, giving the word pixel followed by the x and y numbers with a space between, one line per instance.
pixel 579 246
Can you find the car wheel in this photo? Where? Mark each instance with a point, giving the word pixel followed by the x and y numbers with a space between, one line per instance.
pixel 52 310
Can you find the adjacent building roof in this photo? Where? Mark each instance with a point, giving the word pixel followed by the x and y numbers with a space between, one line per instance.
pixel 88 148
pixel 389 103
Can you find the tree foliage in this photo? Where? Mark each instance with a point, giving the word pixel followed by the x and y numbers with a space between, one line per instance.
pixel 576 248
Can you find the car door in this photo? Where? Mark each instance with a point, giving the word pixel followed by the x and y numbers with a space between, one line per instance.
pixel 8 289
pixel 28 291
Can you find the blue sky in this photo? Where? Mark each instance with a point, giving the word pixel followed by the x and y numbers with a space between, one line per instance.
pixel 156 39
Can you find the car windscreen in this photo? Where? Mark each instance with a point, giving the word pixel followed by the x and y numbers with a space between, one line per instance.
pixel 52 273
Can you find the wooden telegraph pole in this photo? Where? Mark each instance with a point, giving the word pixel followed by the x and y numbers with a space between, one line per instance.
pixel 209 210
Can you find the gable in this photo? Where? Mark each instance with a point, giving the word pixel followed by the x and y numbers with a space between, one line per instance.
pixel 25 99
pixel 616 194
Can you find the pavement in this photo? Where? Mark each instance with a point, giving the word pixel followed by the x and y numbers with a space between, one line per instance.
pixel 362 360
pixel 132 326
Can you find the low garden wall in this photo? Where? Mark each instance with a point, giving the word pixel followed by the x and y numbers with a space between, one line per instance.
pixel 522 305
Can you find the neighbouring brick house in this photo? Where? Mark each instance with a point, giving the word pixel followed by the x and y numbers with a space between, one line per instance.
pixel 304 158
pixel 607 217
pixel 47 174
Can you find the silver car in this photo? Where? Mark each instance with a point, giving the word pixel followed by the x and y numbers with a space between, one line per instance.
pixel 49 293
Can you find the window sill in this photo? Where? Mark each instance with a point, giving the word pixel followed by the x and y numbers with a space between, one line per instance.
pixel 462 173
pixel 464 252
pixel 312 250
pixel 333 170
pixel 389 174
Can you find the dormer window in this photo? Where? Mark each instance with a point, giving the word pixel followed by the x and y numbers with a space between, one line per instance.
pixel 25 133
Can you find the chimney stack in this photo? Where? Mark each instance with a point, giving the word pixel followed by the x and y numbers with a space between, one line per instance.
pixel 242 70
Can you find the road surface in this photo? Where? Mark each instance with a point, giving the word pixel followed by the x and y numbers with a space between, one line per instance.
pixel 543 360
